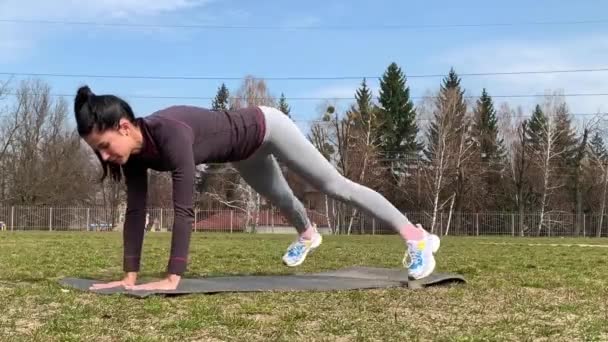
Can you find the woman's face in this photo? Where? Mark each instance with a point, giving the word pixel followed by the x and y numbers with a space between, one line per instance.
pixel 115 145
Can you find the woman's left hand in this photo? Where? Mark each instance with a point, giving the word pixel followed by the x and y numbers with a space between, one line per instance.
pixel 169 283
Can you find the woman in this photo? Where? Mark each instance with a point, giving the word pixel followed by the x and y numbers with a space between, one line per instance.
pixel 178 138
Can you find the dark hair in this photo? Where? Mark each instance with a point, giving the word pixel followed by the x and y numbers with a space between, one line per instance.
pixel 99 113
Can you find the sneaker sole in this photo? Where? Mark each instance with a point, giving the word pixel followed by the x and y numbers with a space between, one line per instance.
pixel 316 243
pixel 436 241
pixel 427 273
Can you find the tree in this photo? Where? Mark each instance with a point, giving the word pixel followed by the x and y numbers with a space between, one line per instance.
pixel 545 135
pixel 220 102
pixel 397 117
pixel 579 157
pixel 599 158
pixel 597 147
pixel 450 110
pixel 319 136
pixel 283 106
pixel 520 165
pixel 490 151
pixel 451 114
pixel 485 129
pixel 252 92
pixel 537 128
pixel 41 157
pixel 448 147
pixel 365 107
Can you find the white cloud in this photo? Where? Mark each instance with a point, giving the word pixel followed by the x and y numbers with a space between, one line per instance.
pixel 18 38
pixel 99 9
pixel 584 52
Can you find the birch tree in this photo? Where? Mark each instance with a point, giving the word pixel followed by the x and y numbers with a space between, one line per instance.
pixel 545 153
pixel 598 157
pixel 448 148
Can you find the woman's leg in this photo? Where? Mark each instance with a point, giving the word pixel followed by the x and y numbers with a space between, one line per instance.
pixel 264 175
pixel 262 172
pixel 289 145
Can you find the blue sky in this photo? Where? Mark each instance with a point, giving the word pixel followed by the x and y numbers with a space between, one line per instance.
pixel 157 51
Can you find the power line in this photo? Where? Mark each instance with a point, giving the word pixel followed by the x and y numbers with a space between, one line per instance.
pixel 297 78
pixel 319 121
pixel 158 97
pixel 303 27
pixel 429 119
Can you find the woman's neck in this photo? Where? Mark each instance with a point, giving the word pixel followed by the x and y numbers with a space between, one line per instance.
pixel 138 137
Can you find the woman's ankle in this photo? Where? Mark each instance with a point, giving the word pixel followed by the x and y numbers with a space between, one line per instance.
pixel 411 232
pixel 308 233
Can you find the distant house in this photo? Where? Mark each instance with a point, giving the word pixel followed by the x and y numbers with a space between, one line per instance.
pixel 311 197
pixel 267 220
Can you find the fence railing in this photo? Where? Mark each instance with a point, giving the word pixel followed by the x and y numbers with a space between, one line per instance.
pixel 344 221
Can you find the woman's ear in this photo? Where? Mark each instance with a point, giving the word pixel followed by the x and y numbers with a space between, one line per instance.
pixel 124 127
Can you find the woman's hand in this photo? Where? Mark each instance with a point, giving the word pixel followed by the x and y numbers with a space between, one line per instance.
pixel 169 283
pixel 128 280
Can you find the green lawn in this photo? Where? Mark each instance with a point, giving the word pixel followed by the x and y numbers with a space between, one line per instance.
pixel 516 292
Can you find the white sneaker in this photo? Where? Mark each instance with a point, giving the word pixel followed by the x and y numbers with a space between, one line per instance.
pixel 421 255
pixel 299 249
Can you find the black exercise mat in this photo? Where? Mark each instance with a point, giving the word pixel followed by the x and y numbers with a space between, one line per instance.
pixel 351 278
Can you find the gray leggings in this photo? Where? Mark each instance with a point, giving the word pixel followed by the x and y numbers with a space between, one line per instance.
pixel 285 141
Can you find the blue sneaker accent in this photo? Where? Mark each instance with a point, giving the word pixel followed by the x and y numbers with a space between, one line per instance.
pixel 421 256
pixel 298 250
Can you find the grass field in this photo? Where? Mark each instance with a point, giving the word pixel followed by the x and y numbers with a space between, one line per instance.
pixel 516 292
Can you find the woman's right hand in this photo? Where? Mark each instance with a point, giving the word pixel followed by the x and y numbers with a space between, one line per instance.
pixel 128 280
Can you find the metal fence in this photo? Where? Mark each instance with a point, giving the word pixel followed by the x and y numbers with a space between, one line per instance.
pixel 344 221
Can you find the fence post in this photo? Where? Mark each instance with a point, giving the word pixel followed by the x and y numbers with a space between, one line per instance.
pixel 272 218
pixel 195 209
pixel 362 223
pixel 231 221
pixel 161 220
pixel 373 226
pixel 584 225
pixel 50 219
pixel 477 224
pixel 12 218
pixel 88 218
pixel 512 224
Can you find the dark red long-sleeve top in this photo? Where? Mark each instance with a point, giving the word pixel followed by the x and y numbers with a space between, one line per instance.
pixel 176 139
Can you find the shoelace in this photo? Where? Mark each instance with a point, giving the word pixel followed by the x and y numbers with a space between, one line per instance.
pixel 296 248
pixel 414 256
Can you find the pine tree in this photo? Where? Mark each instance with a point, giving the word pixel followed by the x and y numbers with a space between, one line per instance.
pixel 597 147
pixel 485 130
pixel 397 115
pixel 566 139
pixel 363 96
pixel 490 149
pixel 283 106
pixel 361 113
pixel 449 146
pixel 537 129
pixel 450 111
pixel 220 102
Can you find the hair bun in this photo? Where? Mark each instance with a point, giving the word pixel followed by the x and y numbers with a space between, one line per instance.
pixel 82 96
pixel 84 91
